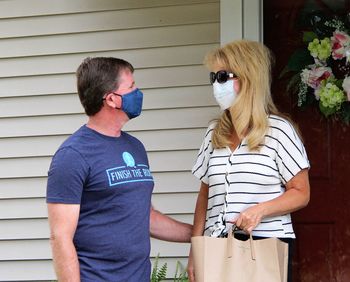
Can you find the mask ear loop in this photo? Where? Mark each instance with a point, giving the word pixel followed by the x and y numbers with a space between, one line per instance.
pixel 121 101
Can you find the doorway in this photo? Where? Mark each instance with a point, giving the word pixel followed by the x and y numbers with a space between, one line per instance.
pixel 322 252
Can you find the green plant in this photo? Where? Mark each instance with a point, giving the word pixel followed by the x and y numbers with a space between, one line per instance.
pixel 158 274
pixel 181 271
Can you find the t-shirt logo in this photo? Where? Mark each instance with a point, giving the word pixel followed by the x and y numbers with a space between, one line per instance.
pixel 130 172
pixel 128 159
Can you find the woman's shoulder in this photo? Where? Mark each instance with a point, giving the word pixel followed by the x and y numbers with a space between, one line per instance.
pixel 212 125
pixel 210 129
pixel 281 125
pixel 280 122
pixel 209 132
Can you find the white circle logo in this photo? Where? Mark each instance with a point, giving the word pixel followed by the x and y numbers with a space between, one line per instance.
pixel 128 159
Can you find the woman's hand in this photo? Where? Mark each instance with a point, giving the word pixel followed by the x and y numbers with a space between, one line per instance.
pixel 249 218
pixel 296 196
pixel 190 268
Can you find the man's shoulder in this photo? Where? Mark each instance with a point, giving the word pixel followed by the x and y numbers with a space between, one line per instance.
pixel 73 139
pixel 131 138
pixel 72 144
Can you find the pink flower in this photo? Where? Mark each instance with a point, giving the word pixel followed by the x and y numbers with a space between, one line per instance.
pixel 313 76
pixel 346 86
pixel 340 44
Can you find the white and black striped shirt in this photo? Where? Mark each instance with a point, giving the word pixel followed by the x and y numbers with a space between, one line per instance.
pixel 242 178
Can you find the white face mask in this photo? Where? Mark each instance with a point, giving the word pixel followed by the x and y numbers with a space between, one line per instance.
pixel 224 93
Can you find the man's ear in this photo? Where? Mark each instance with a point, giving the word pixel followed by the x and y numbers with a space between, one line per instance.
pixel 113 101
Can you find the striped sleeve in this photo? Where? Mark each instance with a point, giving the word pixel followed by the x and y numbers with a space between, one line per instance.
pixel 200 168
pixel 291 155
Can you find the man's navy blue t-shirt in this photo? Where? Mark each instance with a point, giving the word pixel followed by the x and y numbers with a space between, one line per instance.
pixel 109 178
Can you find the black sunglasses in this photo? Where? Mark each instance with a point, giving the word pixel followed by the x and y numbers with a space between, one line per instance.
pixel 221 76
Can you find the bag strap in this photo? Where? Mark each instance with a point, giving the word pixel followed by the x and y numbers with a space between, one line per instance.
pixel 230 240
pixel 252 246
pixel 229 243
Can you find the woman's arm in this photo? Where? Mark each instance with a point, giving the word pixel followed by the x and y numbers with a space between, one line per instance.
pixel 198 223
pixel 200 211
pixel 297 196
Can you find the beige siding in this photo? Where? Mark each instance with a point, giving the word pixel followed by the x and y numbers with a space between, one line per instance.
pixel 41 44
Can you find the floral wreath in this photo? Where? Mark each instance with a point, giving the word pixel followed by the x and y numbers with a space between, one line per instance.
pixel 323 67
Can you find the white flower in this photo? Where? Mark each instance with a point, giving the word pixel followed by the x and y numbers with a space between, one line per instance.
pixel 340 45
pixel 313 75
pixel 346 86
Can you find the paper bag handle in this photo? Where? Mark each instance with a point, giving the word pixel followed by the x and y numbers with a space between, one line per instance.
pixel 229 243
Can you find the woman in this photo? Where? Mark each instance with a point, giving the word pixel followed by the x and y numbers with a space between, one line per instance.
pixel 252 164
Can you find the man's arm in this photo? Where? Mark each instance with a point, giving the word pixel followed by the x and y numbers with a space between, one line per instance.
pixel 63 220
pixel 166 228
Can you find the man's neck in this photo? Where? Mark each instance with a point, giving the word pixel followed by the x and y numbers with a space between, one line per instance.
pixel 107 125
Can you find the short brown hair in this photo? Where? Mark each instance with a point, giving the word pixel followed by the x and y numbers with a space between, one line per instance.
pixel 96 77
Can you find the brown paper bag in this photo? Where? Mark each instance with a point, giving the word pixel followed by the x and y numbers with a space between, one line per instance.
pixel 232 260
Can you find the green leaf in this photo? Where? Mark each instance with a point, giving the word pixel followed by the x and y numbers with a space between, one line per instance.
pixel 180 273
pixel 161 275
pixel 284 72
pixel 293 84
pixel 308 36
pixel 338 83
pixel 310 98
pixel 155 270
pixel 335 6
pixel 345 113
pixel 158 274
pixel 299 60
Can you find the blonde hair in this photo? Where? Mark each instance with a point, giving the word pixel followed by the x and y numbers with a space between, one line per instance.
pixel 248 116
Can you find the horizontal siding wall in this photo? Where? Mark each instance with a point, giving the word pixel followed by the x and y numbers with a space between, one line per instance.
pixel 41 45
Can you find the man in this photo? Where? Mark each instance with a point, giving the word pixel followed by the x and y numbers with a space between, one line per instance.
pixel 99 186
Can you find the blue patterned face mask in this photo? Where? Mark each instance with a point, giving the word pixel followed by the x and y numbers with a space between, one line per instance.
pixel 131 103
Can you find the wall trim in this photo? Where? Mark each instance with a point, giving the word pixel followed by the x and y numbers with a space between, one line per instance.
pixel 241 19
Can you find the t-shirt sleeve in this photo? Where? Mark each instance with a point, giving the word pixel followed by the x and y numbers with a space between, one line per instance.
pixel 200 168
pixel 66 177
pixel 291 155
